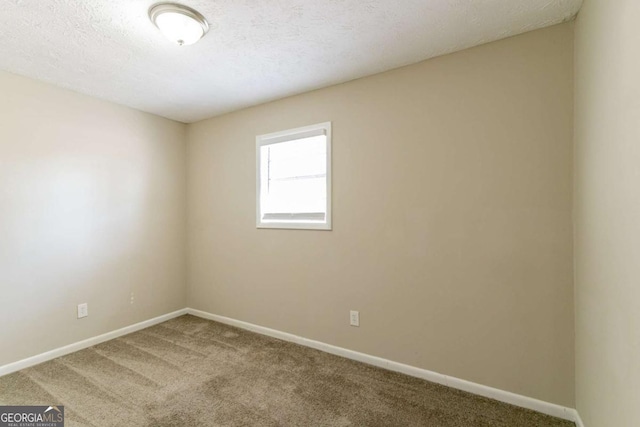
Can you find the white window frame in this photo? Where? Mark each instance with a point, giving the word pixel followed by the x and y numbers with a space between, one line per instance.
pixel 289 135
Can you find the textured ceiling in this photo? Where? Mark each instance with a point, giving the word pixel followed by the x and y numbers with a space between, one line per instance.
pixel 256 50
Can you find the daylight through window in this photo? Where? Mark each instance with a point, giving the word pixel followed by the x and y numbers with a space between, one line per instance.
pixel 294 178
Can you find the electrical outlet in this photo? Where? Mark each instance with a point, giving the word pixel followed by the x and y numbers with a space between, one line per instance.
pixel 83 310
pixel 355 318
pixel 131 298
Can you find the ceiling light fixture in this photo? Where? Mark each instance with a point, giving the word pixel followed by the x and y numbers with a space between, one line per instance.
pixel 178 23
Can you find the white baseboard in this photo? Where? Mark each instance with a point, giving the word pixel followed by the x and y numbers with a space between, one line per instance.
pixel 552 409
pixel 61 351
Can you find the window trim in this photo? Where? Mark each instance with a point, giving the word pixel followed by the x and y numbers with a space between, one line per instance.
pixel 288 135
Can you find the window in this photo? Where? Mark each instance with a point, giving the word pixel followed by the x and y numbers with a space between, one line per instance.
pixel 294 178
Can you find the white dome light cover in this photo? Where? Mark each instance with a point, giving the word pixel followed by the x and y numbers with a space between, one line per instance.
pixel 178 23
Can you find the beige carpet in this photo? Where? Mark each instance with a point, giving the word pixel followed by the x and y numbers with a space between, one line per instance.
pixel 194 372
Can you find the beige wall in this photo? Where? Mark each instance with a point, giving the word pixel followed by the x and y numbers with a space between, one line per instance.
pixel 607 213
pixel 92 207
pixel 452 217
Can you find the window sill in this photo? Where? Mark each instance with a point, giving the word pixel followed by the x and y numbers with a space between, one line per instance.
pixel 294 226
